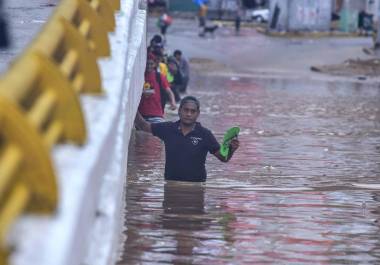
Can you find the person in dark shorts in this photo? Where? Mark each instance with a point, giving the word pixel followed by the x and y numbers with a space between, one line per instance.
pixel 202 16
pixel 187 143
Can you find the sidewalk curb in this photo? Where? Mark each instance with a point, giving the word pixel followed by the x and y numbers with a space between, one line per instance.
pixel 299 34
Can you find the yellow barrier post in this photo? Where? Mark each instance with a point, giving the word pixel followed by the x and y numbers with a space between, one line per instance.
pixel 4 256
pixel 88 22
pixel 27 181
pixel 47 98
pixel 69 50
pixel 114 3
pixel 105 11
pixel 87 63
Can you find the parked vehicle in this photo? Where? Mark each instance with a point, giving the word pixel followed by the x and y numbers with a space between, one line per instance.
pixel 260 15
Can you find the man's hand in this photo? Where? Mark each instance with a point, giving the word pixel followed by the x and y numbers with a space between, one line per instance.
pixel 173 106
pixel 234 145
pixel 142 124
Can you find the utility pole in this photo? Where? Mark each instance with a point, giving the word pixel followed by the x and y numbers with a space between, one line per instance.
pixel 288 5
pixel 376 45
pixel 4 39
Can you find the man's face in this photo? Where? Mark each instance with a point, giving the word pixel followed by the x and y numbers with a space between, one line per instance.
pixel 188 113
pixel 178 57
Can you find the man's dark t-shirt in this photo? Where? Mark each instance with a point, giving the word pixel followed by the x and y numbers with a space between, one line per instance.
pixel 185 155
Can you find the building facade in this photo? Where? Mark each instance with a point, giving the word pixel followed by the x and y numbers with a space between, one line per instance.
pixel 300 15
pixel 316 15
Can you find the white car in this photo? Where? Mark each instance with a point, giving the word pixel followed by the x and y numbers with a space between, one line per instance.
pixel 260 15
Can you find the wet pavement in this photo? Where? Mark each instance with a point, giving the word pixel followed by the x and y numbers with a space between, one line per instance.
pixel 302 189
pixel 25 20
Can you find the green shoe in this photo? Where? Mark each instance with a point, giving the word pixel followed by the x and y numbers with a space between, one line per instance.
pixel 230 134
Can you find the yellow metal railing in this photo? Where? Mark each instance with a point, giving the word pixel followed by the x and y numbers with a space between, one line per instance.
pixel 115 4
pixel 40 107
pixel 88 22
pixel 46 98
pixel 27 181
pixel 105 10
pixel 69 50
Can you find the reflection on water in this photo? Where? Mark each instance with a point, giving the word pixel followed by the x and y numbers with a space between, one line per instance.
pixel 183 214
pixel 303 188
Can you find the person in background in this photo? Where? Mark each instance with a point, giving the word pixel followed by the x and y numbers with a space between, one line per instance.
pixel 237 21
pixel 158 52
pixel 202 15
pixel 155 41
pixel 376 40
pixel 365 23
pixel 150 104
pixel 375 49
pixel 177 78
pixel 164 70
pixel 187 143
pixel 184 70
pixel 164 21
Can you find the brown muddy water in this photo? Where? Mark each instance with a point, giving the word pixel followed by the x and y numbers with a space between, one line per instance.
pixel 302 189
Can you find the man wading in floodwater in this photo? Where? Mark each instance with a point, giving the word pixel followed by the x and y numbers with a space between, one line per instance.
pixel 186 143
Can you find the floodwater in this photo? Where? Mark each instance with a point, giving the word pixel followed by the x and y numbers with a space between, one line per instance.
pixel 304 187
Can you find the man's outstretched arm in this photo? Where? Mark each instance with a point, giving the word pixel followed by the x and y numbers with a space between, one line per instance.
pixel 142 124
pixel 171 99
pixel 234 145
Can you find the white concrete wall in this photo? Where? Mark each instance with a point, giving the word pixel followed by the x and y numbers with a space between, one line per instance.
pixel 303 15
pixel 310 15
pixel 91 178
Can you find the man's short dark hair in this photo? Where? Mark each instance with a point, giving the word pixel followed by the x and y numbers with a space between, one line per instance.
pixel 177 52
pixel 156 39
pixel 190 99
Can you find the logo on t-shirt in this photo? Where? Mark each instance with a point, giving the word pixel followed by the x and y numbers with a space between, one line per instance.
pixel 195 140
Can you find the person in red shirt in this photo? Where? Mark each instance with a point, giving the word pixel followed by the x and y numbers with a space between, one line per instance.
pixel 150 105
